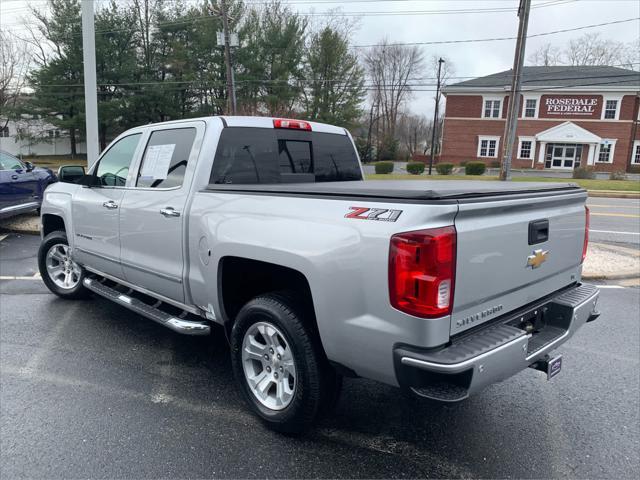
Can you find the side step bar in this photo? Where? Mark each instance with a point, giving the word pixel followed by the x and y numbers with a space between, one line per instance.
pixel 177 324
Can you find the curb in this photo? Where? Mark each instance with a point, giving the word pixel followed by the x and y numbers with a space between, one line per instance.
pixel 611 277
pixel 23 231
pixel 613 194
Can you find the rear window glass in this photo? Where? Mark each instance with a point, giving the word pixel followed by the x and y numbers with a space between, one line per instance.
pixel 261 155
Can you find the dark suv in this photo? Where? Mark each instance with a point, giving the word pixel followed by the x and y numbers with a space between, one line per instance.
pixel 21 185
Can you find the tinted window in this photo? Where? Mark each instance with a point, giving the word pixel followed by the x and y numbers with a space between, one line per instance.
pixel 165 159
pixel 114 166
pixel 9 162
pixel 260 155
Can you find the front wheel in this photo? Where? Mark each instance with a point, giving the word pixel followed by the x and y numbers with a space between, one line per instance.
pixel 59 272
pixel 279 364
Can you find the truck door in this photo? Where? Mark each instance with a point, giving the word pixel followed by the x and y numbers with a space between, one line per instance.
pixel 152 216
pixel 96 209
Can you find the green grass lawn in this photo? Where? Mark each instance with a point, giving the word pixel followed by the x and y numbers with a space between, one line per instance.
pixel 617 185
pixel 53 162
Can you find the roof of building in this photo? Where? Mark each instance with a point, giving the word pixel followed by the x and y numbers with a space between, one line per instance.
pixel 558 76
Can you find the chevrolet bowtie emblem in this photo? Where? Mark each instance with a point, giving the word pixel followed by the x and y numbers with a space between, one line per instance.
pixel 537 259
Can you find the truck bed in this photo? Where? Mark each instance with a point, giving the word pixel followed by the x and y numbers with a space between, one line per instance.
pixel 412 190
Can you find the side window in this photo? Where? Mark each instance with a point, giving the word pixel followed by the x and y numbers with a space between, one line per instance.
pixel 165 159
pixel 9 162
pixel 114 166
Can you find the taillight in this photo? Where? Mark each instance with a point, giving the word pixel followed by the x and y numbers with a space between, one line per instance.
pixel 422 271
pixel 292 124
pixel 586 233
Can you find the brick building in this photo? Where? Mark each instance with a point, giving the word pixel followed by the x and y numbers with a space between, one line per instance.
pixel 569 116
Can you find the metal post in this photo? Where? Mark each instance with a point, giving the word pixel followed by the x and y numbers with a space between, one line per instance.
pixel 90 86
pixel 435 117
pixel 514 96
pixel 231 87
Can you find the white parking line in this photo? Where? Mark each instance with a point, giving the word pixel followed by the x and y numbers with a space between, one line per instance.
pixel 2 237
pixel 610 286
pixel 611 231
pixel 36 276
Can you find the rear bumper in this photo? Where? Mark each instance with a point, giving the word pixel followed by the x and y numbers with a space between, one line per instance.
pixel 498 351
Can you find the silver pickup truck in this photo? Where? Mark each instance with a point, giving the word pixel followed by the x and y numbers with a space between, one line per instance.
pixel 265 231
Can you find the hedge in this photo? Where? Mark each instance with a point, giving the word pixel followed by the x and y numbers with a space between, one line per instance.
pixel 475 168
pixel 415 168
pixel 584 173
pixel 444 168
pixel 384 167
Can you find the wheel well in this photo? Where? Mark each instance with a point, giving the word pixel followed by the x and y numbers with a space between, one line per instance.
pixel 51 223
pixel 242 279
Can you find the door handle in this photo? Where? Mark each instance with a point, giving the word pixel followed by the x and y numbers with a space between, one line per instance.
pixel 169 212
pixel 110 205
pixel 14 177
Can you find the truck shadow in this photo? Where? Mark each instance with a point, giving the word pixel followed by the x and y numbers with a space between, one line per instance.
pixel 482 436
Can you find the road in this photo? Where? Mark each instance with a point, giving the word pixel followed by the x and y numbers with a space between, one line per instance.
pixel 615 220
pixel 91 390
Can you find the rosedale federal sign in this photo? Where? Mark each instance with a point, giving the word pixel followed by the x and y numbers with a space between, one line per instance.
pixel 581 106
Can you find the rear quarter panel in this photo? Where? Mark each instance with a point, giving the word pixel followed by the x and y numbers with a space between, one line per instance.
pixel 344 260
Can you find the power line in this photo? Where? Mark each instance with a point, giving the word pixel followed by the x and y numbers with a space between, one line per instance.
pixel 496 39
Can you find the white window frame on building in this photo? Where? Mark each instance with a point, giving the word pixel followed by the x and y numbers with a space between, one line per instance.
pixel 532 151
pixel 536 109
pixel 635 153
pixel 488 139
pixel 610 98
pixel 486 99
pixel 609 142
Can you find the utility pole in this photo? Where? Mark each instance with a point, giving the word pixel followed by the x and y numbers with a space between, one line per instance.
pixel 231 86
pixel 514 96
pixel 435 116
pixel 90 86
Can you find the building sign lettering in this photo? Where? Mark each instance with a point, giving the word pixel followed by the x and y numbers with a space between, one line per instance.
pixel 571 106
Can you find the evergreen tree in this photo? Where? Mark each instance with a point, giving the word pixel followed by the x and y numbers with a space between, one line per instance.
pixel 335 81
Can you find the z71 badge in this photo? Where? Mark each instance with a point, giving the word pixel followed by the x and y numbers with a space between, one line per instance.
pixel 379 214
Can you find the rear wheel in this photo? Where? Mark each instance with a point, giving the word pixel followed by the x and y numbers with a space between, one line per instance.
pixel 59 272
pixel 279 363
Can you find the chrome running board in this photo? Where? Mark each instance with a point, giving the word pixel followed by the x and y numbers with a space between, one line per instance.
pixel 180 323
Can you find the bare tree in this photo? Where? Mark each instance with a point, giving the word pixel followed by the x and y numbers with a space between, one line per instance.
pixel 547 55
pixel 590 49
pixel 391 69
pixel 14 66
pixel 414 132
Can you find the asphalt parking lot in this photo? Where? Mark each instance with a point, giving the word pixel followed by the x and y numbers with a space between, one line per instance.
pixel 90 390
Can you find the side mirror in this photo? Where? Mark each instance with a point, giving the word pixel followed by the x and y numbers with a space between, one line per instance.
pixel 30 166
pixel 71 173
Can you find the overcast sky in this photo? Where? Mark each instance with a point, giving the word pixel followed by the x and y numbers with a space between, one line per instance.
pixel 469 59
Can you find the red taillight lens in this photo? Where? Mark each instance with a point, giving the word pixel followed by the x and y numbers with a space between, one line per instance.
pixel 422 272
pixel 586 233
pixel 293 124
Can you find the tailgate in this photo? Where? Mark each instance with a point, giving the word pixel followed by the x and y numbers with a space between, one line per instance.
pixel 495 251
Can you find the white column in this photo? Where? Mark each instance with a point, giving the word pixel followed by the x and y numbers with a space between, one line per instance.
pixel 90 87
pixel 541 152
pixel 592 154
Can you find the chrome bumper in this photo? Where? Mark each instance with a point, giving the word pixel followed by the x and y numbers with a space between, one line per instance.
pixel 496 352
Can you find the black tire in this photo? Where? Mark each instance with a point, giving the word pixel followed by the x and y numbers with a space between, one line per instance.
pixel 77 292
pixel 316 382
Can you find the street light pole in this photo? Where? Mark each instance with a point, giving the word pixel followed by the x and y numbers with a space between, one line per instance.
pixel 90 86
pixel 435 116
pixel 514 96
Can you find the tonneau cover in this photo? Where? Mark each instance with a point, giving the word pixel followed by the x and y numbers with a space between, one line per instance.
pixel 415 190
